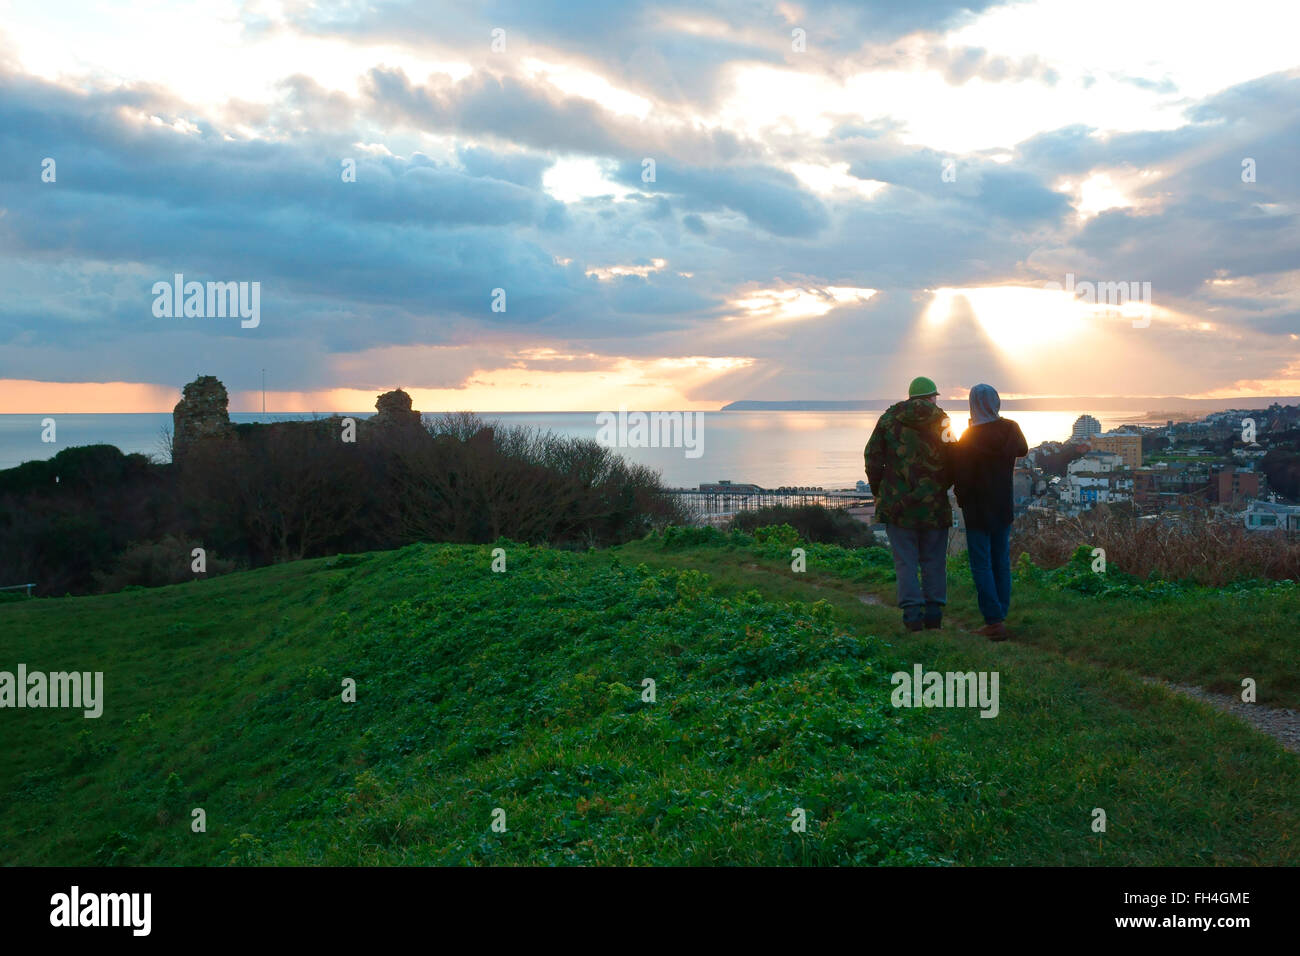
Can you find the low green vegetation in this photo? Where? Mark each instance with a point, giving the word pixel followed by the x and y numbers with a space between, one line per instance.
pixel 525 691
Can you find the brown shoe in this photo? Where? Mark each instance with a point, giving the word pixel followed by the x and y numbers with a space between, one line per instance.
pixel 933 623
pixel 994 632
pixel 912 625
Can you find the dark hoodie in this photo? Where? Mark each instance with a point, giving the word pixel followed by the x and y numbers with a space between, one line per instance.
pixel 984 461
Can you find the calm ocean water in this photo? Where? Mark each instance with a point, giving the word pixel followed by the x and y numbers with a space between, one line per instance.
pixel 768 448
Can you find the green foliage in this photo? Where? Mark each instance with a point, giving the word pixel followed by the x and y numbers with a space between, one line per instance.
pixel 86 750
pixel 781 534
pixel 523 691
pixel 168 560
pixel 677 537
pixel 872 564
pixel 1077 575
pixel 118 848
pixel 93 519
pixel 320 684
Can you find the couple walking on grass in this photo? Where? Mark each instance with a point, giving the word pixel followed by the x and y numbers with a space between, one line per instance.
pixel 912 460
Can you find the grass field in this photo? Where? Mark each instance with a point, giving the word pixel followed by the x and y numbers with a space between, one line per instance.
pixel 522 692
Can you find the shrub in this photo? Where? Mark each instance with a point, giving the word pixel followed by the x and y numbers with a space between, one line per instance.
pixel 781 534
pixel 677 537
pixel 812 522
pixel 476 481
pixel 1077 575
pixel 1202 547
pixel 155 563
pixel 91 518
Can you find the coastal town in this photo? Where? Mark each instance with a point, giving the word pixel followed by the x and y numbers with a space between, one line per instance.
pixel 1242 462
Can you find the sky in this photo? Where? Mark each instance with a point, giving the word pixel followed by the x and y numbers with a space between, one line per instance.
pixel 517 205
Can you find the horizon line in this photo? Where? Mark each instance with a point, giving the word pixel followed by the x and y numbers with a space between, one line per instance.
pixel 1072 403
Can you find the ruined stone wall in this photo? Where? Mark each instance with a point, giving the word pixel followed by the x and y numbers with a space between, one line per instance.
pixel 203 414
pixel 394 411
pixel 200 414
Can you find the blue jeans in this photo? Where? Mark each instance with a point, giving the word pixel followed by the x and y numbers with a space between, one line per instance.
pixel 990 565
pixel 923 552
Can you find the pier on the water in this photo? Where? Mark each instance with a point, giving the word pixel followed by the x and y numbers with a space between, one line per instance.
pixel 728 499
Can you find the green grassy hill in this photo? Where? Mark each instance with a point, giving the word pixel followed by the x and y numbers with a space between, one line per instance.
pixel 523 691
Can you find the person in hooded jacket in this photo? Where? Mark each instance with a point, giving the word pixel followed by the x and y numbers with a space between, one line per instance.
pixel 909 466
pixel 983 464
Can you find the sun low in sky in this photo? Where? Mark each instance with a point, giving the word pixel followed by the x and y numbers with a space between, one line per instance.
pixel 663 206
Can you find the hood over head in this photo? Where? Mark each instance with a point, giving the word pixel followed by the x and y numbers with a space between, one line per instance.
pixel 984 404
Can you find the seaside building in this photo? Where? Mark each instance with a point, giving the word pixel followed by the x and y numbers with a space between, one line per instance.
pixel 1272 516
pixel 1233 485
pixel 1085 426
pixel 1172 487
pixel 1089 489
pixel 727 487
pixel 1127 446
pixel 1095 462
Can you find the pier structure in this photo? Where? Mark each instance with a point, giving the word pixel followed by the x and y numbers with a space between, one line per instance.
pixel 728 498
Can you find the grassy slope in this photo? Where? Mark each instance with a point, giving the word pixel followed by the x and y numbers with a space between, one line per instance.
pixel 522 691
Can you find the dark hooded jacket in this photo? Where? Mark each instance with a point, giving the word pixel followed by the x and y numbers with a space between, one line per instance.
pixel 909 466
pixel 983 464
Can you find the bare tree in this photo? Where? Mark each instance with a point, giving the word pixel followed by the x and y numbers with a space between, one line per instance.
pixel 166 446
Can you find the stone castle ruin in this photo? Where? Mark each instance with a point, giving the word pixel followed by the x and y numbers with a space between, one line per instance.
pixel 203 414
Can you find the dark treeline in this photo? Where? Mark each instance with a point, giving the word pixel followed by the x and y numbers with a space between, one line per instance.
pixel 93 519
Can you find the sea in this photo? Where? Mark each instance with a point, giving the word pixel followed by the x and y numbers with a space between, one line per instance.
pixel 767 448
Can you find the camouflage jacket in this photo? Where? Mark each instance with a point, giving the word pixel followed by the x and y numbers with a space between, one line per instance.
pixel 910 466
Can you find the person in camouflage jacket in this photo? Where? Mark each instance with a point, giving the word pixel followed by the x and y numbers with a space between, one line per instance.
pixel 910 468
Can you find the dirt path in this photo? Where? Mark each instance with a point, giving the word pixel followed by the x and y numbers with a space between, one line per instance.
pixel 1280 723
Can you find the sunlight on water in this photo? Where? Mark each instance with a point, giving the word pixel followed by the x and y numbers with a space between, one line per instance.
pixel 767 448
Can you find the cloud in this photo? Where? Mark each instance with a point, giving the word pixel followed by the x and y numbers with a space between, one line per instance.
pixel 771 199
pixel 960 65
pixel 395 272
pixel 522 169
pixel 675 52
